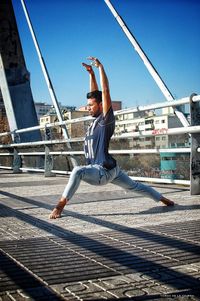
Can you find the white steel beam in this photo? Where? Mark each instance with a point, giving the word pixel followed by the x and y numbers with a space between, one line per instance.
pixel 7 99
pixel 146 62
pixel 47 78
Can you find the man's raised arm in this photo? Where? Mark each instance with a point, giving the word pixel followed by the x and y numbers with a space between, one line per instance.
pixel 106 99
pixel 93 82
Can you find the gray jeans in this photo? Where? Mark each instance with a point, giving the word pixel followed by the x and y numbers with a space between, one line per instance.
pixel 97 175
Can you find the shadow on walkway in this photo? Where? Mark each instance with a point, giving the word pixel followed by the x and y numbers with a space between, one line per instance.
pixel 108 250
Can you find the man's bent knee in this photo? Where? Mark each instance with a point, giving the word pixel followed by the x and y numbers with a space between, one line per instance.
pixel 78 171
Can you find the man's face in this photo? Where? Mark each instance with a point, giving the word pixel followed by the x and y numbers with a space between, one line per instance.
pixel 94 108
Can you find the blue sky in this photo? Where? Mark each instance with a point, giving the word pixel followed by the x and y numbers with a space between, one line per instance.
pixel 68 31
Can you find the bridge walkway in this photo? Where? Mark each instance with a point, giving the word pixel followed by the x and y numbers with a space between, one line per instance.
pixel 108 245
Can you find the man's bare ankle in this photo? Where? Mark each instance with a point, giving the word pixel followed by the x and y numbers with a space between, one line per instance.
pixel 62 200
pixel 56 213
pixel 166 201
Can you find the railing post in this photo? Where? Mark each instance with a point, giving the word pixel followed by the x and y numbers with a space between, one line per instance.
pixel 195 143
pixel 17 162
pixel 48 163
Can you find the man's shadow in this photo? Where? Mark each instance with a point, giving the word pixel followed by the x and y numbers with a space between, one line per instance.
pixel 156 210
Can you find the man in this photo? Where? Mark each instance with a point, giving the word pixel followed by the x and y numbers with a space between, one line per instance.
pixel 101 167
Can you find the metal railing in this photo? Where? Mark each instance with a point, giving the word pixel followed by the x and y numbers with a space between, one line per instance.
pixel 15 150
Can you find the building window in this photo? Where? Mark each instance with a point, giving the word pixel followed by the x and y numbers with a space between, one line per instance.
pixel 150 121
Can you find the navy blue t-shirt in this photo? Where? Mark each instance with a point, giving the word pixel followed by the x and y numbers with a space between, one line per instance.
pixel 97 140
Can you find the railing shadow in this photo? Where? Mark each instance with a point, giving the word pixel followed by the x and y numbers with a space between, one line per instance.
pixel 153 237
pixel 26 183
pixel 104 250
pixel 19 278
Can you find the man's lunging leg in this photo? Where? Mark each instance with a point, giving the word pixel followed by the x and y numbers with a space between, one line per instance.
pixel 91 174
pixel 124 181
pixel 72 186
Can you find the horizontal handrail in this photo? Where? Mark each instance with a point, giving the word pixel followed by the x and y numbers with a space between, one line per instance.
pixel 155 106
pixel 5 167
pixel 161 132
pixel 158 132
pixel 119 151
pixel 159 105
pixel 143 179
pixel 158 180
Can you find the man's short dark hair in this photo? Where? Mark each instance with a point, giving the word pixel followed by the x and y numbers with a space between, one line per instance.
pixel 95 94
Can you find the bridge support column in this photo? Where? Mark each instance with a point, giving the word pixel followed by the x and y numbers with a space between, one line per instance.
pixel 195 144
pixel 14 77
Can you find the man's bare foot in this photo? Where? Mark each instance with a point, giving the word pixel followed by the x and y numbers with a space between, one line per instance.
pixel 56 213
pixel 166 201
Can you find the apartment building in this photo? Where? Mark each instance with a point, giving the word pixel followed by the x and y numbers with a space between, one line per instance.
pixel 43 108
pixel 74 129
pixel 158 124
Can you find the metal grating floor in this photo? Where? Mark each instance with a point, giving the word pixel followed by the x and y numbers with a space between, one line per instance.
pixel 109 265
